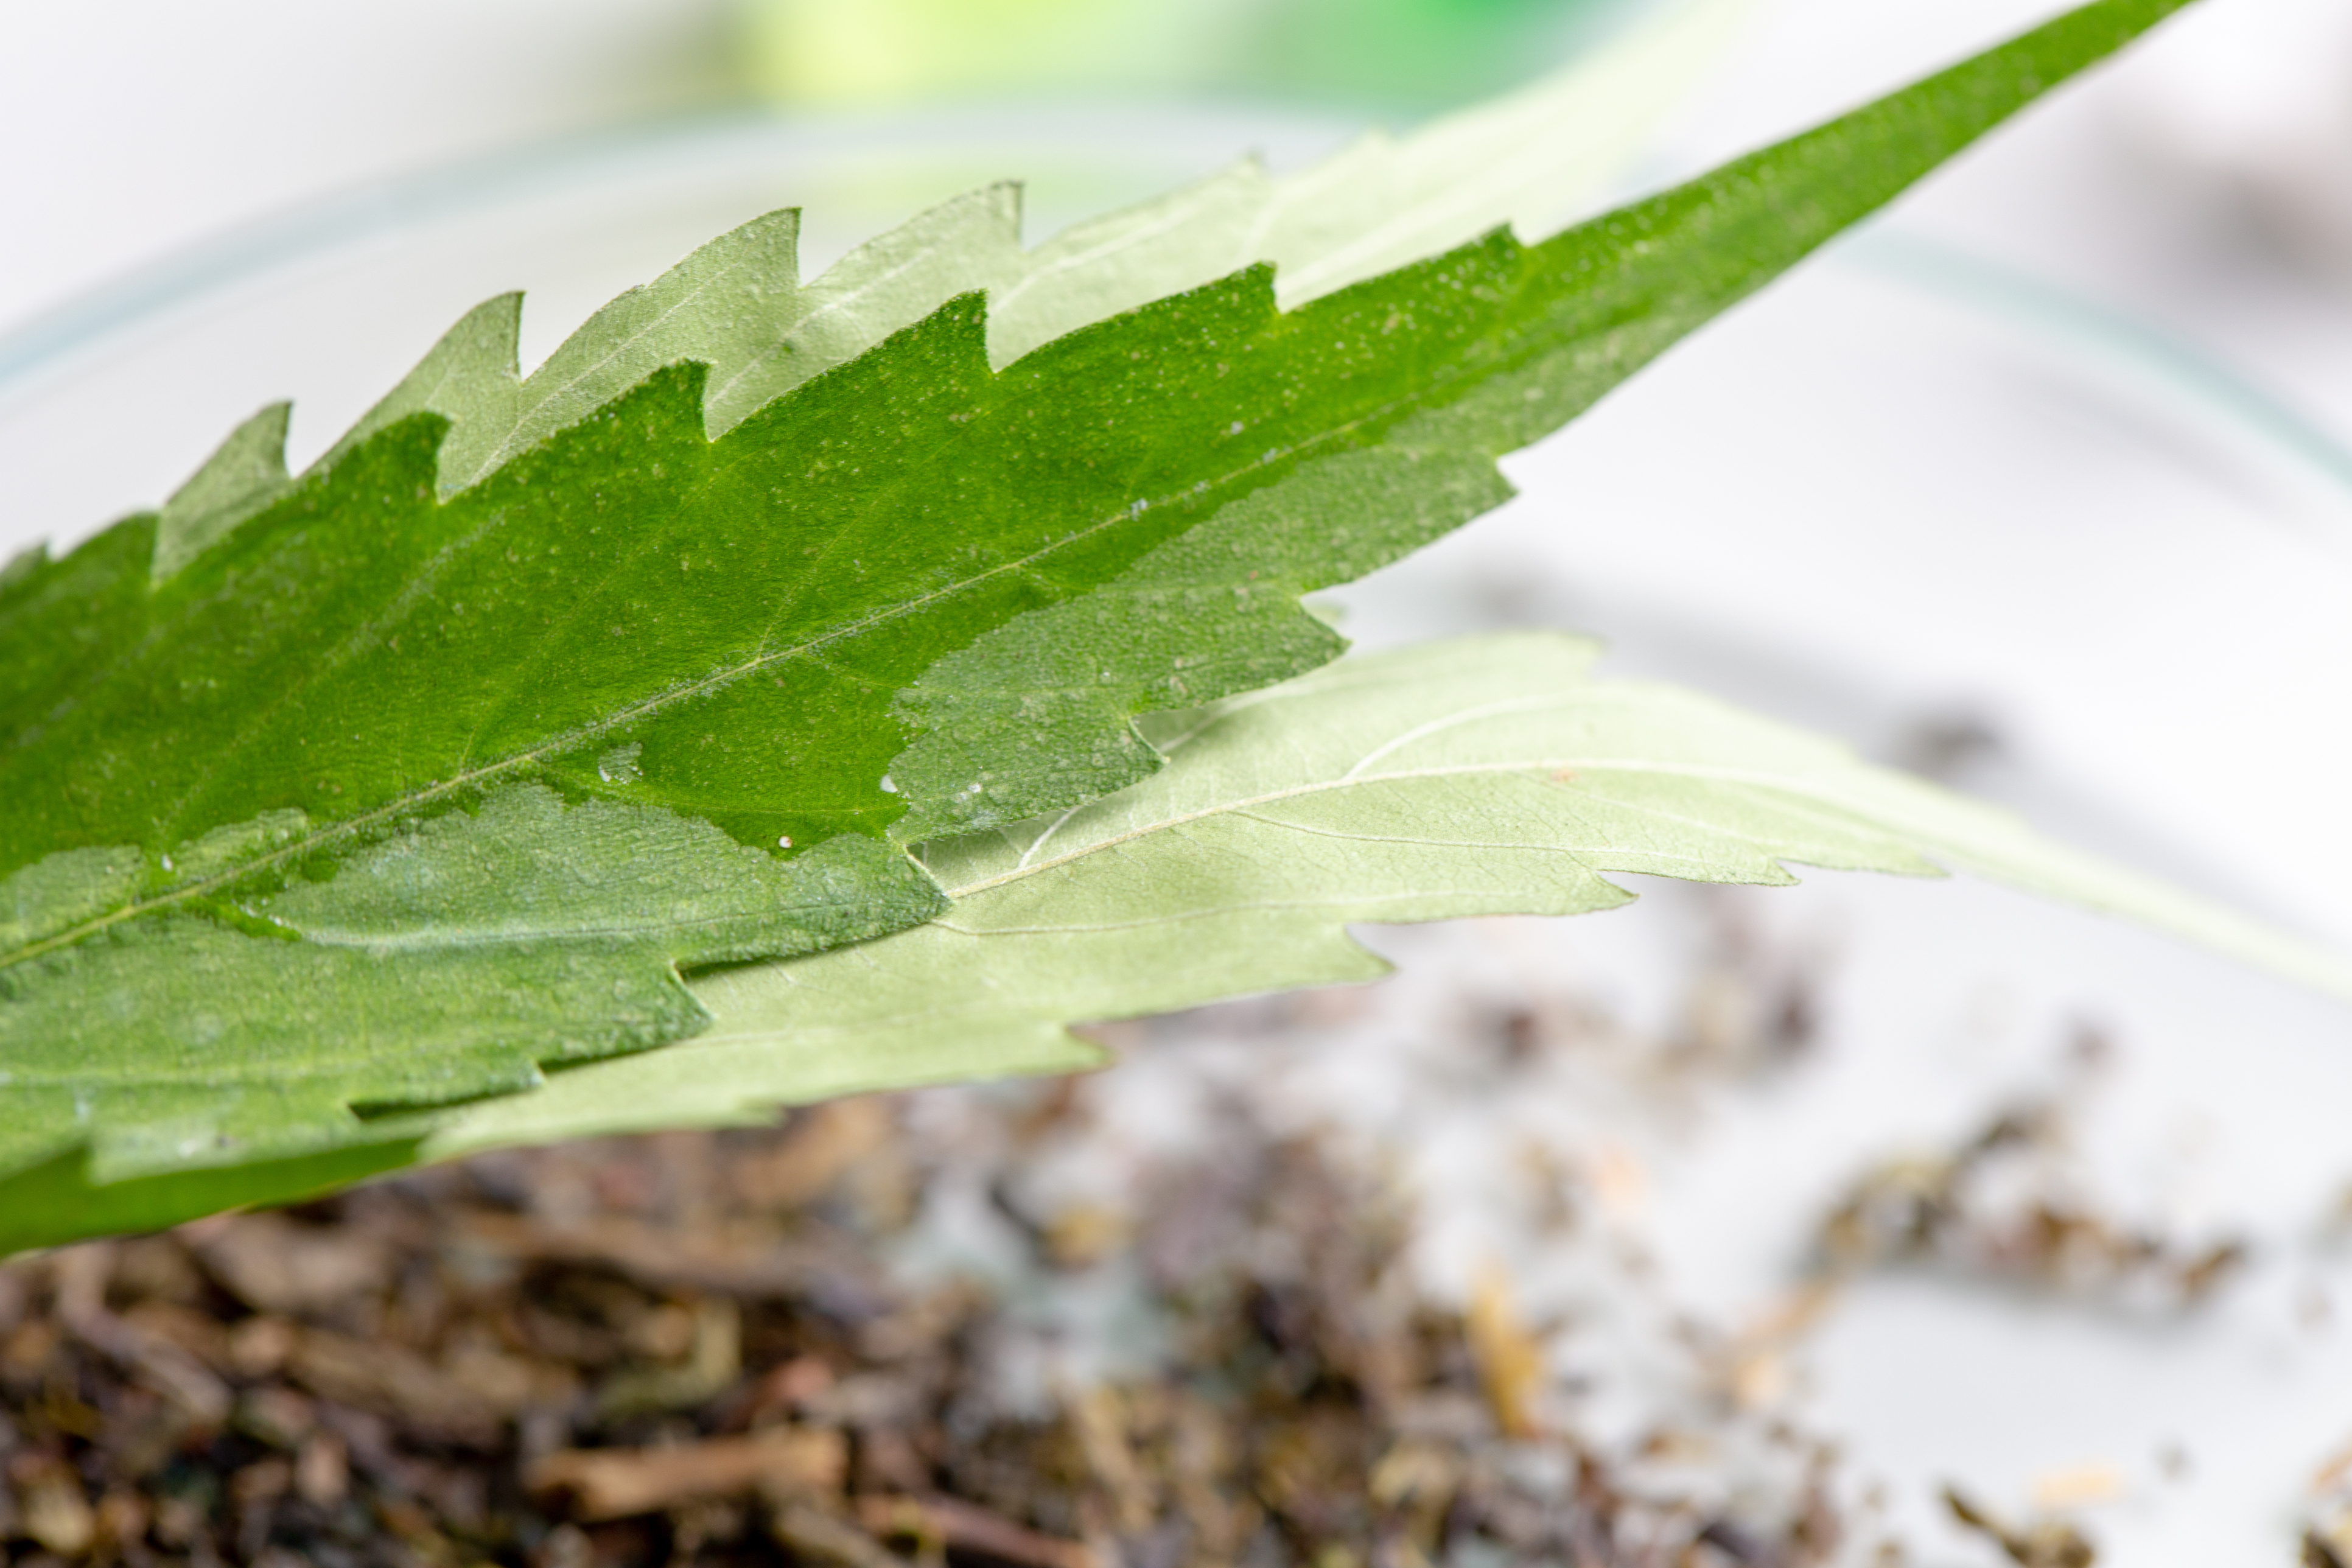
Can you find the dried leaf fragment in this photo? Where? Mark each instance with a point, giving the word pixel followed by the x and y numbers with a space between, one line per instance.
pixel 962 1526
pixel 614 1483
pixel 1510 1360
pixel 2044 1543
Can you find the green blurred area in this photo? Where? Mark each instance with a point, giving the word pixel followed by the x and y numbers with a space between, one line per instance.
pixel 1405 54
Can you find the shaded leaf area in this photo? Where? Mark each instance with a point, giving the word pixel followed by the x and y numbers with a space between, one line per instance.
pixel 698 1349
pixel 915 595
pixel 452 959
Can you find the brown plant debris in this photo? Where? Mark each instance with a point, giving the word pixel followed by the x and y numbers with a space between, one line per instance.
pixel 614 1483
pixel 2327 1516
pixel 2044 1543
pixel 978 1326
pixel 2008 1204
pixel 498 1364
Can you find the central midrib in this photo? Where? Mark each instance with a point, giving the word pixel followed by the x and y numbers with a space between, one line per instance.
pixel 1759 777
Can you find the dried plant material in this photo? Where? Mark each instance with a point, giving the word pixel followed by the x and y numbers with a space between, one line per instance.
pixel 2010 1203
pixel 51 1508
pixel 2044 1543
pixel 1792 1317
pixel 322 1471
pixel 2328 1519
pixel 389 1380
pixel 1750 1007
pixel 611 1483
pixel 1214 1348
pixel 712 1362
pixel 740 1260
pixel 1097 1419
pixel 2336 1223
pixel 255 1347
pixel 274 1265
pixel 1084 1235
pixel 811 1534
pixel 1753 1369
pixel 960 1527
pixel 823 1144
pixel 1510 1360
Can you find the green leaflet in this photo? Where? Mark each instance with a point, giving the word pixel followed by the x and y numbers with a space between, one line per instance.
pixel 1489 775
pixel 916 594
pixel 449 960
pixel 241 479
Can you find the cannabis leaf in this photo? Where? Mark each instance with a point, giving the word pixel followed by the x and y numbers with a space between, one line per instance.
pixel 1485 776
pixel 1490 775
pixel 903 591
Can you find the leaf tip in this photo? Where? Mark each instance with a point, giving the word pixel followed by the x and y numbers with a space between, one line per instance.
pixel 243 475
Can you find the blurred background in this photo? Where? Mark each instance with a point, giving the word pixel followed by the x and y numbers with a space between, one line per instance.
pixel 130 127
pixel 2042 481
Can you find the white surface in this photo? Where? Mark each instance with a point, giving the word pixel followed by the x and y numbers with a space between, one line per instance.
pixel 131 127
pixel 1945 1002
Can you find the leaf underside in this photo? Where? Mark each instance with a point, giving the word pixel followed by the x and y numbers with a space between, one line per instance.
pixel 1491 775
pixel 1488 775
pixel 923 593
